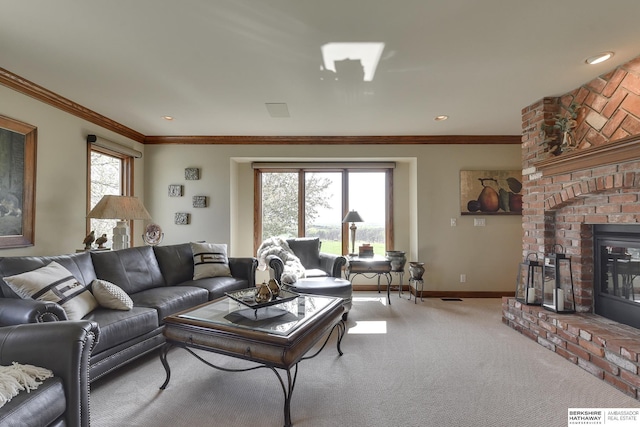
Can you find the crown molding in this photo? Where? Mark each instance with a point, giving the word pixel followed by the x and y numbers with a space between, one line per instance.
pixel 38 92
pixel 336 140
pixel 33 90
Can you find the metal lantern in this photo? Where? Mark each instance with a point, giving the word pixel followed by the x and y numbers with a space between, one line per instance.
pixel 558 294
pixel 529 284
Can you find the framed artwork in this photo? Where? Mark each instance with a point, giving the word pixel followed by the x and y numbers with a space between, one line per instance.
pixel 181 218
pixel 199 201
pixel 491 192
pixel 192 174
pixel 17 183
pixel 175 190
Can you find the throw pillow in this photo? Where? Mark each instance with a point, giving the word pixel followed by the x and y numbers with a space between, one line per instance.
pixel 54 283
pixel 111 296
pixel 210 260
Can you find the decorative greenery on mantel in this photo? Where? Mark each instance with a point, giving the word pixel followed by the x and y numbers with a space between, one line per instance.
pixel 559 137
pixel 620 151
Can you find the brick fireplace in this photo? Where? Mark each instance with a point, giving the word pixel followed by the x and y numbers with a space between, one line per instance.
pixel 563 197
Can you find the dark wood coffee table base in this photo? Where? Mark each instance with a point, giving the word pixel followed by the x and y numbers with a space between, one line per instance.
pixel 191 337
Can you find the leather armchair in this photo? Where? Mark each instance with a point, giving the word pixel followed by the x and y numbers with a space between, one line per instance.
pixel 316 263
pixel 65 349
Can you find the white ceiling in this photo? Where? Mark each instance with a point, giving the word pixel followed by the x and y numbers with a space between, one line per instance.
pixel 214 64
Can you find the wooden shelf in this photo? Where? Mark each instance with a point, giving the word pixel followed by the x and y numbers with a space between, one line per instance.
pixel 620 151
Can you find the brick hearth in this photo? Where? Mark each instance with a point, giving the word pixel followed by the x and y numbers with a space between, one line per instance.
pixel 563 197
pixel 605 349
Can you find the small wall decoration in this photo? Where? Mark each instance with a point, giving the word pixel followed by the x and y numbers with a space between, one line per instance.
pixel 175 190
pixel 192 174
pixel 199 201
pixel 491 192
pixel 181 218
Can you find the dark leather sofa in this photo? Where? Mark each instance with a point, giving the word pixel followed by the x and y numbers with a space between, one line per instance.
pixel 158 279
pixel 62 347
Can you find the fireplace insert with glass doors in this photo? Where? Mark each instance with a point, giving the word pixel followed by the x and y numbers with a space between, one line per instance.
pixel 617 272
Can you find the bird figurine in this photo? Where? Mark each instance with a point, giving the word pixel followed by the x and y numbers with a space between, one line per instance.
pixel 91 237
pixel 100 241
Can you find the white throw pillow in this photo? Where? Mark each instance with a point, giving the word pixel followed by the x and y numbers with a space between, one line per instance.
pixel 54 283
pixel 210 260
pixel 111 296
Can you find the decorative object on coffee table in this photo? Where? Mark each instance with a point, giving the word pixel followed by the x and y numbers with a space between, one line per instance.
pixel 181 218
pixel 192 174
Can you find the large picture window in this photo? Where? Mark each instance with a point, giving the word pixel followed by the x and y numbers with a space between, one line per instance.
pixel 312 200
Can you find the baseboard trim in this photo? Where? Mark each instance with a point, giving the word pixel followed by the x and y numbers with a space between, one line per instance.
pixel 438 294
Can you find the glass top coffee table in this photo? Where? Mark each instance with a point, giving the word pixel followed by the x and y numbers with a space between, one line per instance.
pixel 275 336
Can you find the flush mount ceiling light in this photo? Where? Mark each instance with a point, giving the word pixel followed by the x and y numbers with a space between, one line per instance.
pixel 440 118
pixel 169 118
pixel 597 59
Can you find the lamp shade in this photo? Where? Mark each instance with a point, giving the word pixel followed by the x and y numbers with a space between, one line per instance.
pixel 352 216
pixel 119 207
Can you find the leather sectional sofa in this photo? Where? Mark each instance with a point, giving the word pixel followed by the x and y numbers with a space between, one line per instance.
pixel 158 279
pixel 62 347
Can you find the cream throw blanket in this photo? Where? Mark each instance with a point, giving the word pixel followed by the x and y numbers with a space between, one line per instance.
pixel 17 377
pixel 293 268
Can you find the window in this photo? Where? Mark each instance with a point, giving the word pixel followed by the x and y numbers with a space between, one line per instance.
pixel 312 200
pixel 109 172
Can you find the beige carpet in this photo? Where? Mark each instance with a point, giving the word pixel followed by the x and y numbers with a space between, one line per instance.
pixel 435 363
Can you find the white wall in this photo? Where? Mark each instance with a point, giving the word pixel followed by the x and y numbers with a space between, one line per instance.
pixel 426 197
pixel 61 173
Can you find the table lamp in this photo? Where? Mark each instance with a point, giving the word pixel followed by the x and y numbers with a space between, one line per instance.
pixel 352 217
pixel 122 208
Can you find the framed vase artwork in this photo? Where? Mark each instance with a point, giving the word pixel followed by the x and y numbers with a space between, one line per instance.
pixel 491 192
pixel 17 183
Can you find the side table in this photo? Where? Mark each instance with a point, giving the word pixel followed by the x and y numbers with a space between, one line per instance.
pixel 370 267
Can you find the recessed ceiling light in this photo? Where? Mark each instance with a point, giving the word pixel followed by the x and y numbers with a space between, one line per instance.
pixel 167 118
pixel 601 57
pixel 440 118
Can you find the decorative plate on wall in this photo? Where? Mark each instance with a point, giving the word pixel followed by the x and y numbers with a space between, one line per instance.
pixel 153 234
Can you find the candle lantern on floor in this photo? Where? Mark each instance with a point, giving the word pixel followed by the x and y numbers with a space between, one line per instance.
pixel 529 284
pixel 558 294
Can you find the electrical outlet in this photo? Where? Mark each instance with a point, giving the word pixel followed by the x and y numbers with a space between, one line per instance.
pixel 454 222
pixel 478 222
pixel 463 278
